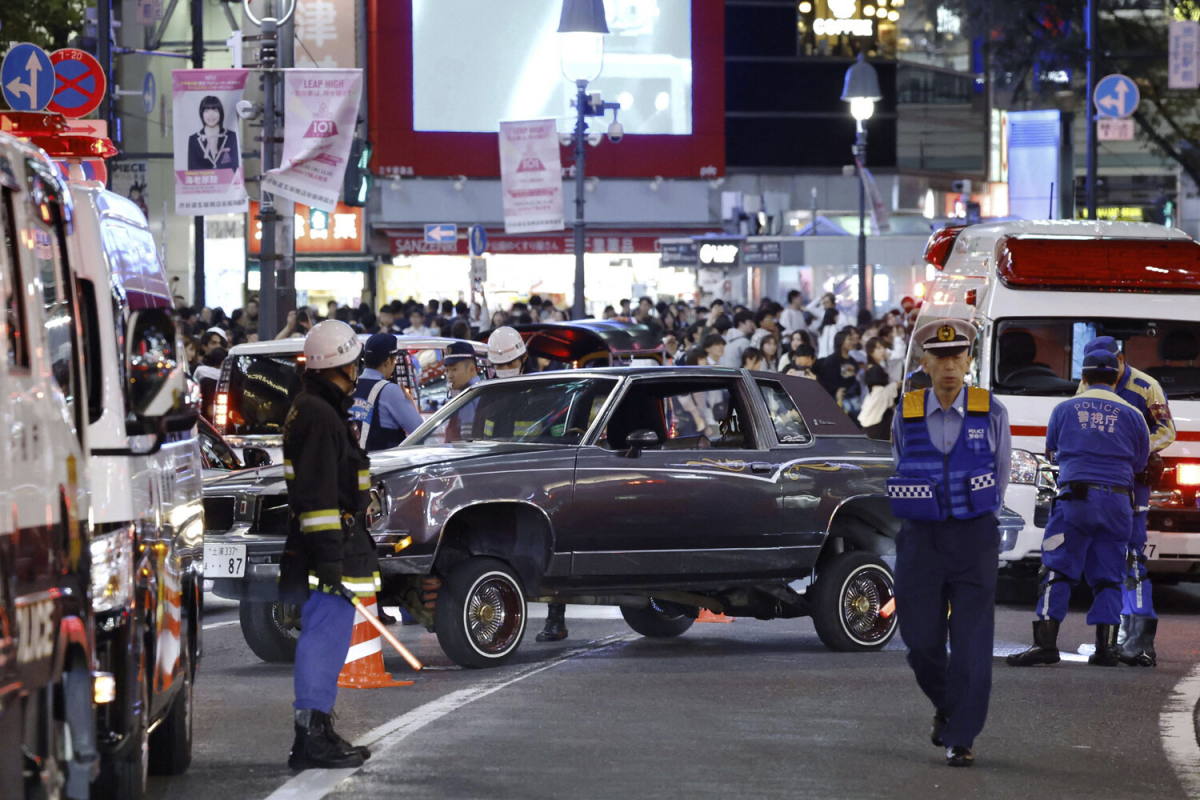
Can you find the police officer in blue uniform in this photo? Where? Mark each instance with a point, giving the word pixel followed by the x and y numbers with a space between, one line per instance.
pixel 382 411
pixel 1101 443
pixel 952 448
pixel 1139 623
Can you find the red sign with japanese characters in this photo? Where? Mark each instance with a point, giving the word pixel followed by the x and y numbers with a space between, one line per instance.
pixel 317 231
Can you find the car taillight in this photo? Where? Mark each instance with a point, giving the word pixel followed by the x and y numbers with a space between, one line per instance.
pixel 221 411
pixel 1187 474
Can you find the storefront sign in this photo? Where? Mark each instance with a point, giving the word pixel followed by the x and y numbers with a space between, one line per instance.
pixel 531 176
pixel 321 115
pixel 712 254
pixel 327 30
pixel 129 179
pixel 762 253
pixel 208 156
pixel 1183 48
pixel 680 254
pixel 318 231
pixel 407 243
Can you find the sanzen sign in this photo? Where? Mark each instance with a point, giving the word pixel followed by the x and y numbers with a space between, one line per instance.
pixel 617 243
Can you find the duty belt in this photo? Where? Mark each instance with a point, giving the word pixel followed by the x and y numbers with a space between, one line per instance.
pixel 1078 490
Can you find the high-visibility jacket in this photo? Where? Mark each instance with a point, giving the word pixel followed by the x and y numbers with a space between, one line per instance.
pixel 328 481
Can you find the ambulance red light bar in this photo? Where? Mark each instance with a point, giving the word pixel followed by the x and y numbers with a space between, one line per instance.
pixel 940 245
pixel 1099 265
pixel 27 124
pixel 75 146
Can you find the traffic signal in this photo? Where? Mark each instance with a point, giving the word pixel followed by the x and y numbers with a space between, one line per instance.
pixel 357 184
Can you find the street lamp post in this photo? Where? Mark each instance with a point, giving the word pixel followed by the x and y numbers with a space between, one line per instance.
pixel 582 28
pixel 861 90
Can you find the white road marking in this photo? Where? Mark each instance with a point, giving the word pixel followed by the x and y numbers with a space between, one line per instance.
pixel 1177 724
pixel 314 784
pixel 224 624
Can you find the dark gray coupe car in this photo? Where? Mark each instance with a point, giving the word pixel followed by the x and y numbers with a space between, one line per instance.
pixel 663 491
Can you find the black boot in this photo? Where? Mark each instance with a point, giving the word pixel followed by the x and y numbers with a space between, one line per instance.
pixel 1123 633
pixel 1138 649
pixel 1045 646
pixel 317 746
pixel 556 624
pixel 347 748
pixel 939 724
pixel 386 618
pixel 1106 647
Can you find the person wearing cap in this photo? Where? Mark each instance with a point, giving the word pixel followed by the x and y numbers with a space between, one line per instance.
pixel 1101 443
pixel 952 449
pixel 461 374
pixel 1139 623
pixel 384 414
pixel 327 549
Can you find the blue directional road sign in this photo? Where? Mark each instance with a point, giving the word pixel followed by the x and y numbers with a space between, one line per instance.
pixel 1116 96
pixel 440 234
pixel 478 239
pixel 149 93
pixel 27 78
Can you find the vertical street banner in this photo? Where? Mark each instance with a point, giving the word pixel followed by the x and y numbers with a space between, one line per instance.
pixel 531 176
pixel 1183 44
pixel 320 114
pixel 209 177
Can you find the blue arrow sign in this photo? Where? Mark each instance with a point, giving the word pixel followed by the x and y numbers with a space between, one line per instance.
pixel 27 78
pixel 1116 97
pixel 439 234
pixel 149 92
pixel 478 239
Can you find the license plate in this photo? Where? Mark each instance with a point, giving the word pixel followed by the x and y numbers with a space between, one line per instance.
pixel 224 560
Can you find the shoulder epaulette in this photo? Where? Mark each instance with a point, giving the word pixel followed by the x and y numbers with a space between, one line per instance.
pixel 979 401
pixel 914 404
pixel 1144 384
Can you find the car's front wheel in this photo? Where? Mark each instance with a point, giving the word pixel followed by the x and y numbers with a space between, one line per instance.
pixel 848 598
pixel 657 620
pixel 481 613
pixel 271 629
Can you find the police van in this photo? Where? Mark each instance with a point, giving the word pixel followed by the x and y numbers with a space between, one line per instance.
pixel 47 680
pixel 1038 292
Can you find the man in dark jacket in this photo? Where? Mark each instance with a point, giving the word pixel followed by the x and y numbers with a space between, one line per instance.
pixel 328 548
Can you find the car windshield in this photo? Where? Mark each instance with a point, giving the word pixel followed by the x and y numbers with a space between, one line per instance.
pixel 1045 356
pixel 261 389
pixel 523 412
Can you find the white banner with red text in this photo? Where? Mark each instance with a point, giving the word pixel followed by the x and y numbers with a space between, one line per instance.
pixel 208 156
pixel 531 176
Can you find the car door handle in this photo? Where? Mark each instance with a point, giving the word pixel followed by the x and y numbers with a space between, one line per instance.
pixel 761 466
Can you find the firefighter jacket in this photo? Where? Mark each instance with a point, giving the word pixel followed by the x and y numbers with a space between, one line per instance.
pixel 328 483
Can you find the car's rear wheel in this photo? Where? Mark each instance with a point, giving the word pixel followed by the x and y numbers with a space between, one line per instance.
pixel 271 629
pixel 481 613
pixel 850 592
pixel 658 620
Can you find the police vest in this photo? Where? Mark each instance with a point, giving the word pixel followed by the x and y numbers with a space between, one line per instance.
pixel 961 484
pixel 365 415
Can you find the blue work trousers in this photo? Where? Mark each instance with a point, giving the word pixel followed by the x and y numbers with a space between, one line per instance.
pixel 326 626
pixel 949 569
pixel 1086 537
pixel 1136 595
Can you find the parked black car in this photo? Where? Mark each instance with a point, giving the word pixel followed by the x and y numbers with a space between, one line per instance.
pixel 660 490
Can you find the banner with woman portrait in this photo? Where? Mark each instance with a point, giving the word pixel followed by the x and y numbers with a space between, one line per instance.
pixel 209 177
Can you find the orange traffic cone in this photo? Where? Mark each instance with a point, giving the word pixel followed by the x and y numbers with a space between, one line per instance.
pixel 364 662
pixel 708 616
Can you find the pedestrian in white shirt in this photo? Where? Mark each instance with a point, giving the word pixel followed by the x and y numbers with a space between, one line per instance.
pixel 792 318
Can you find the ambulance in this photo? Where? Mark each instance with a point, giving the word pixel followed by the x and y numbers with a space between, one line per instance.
pixel 1038 292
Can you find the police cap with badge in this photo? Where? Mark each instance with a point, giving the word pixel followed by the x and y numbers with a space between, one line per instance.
pixel 945 337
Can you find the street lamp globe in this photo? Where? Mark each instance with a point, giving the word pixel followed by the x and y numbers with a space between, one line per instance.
pixel 861 89
pixel 581 30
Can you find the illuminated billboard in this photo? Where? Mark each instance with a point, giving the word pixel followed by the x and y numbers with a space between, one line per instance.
pixel 444 73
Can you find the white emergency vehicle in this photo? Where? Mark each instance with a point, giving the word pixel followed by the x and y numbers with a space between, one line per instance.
pixel 1039 292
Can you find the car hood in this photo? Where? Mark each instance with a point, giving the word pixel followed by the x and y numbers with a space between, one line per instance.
pixel 269 480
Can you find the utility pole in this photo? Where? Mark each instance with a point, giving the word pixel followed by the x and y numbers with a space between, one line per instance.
pixel 104 55
pixel 198 231
pixel 1093 23
pixel 579 309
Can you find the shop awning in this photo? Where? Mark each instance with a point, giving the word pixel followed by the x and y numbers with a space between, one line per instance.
pixel 332 264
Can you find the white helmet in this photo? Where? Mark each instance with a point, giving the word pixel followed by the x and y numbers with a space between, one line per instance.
pixel 505 345
pixel 331 343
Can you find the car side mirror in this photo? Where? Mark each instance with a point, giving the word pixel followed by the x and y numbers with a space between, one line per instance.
pixel 155 382
pixel 255 457
pixel 639 440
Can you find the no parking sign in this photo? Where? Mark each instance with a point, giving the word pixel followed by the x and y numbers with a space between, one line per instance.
pixel 79 84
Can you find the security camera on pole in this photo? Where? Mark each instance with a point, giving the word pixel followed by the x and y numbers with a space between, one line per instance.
pixel 583 28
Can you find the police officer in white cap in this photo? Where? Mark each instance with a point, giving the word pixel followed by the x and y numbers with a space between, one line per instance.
pixel 952 448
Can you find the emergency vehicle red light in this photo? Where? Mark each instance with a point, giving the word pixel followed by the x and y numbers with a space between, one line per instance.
pixel 1187 474
pixel 32 123
pixel 75 146
pixel 940 245
pixel 1100 265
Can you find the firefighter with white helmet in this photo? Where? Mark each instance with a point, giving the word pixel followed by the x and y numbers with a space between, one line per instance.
pixel 327 548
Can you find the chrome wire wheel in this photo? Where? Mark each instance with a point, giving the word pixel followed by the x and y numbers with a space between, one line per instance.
pixel 864 593
pixel 494 614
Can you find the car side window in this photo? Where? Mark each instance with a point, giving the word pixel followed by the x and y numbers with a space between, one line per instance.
pixel 14 292
pixel 789 424
pixel 685 415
